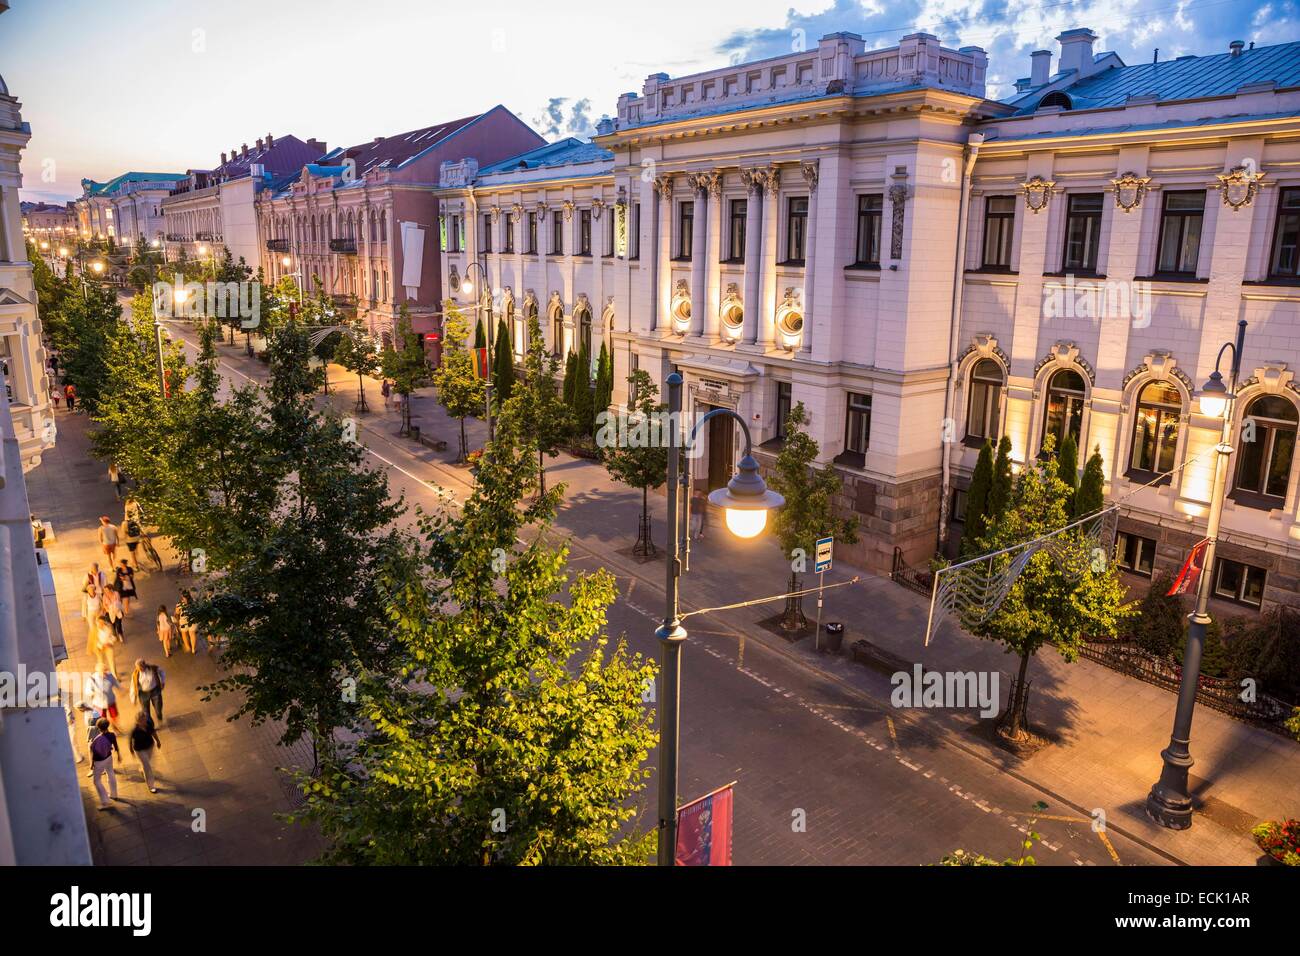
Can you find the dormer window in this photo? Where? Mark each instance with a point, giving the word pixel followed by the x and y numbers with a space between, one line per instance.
pixel 1056 98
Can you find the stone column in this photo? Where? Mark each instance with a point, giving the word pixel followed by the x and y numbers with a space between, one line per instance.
pixel 699 183
pixel 663 252
pixel 713 285
pixel 810 175
pixel 753 179
pixel 767 281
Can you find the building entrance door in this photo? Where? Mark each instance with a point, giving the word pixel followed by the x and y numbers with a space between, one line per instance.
pixel 722 459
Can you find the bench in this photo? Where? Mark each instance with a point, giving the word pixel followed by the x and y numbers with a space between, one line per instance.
pixel 437 444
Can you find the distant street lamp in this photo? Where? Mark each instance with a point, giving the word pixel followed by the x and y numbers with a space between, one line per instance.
pixel 467 287
pixel 1169 803
pixel 747 502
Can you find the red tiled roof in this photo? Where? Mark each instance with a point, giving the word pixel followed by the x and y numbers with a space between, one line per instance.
pixel 395 150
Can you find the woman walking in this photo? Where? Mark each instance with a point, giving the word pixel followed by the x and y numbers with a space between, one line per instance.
pixel 115 610
pixel 106 644
pixel 147 682
pixel 189 633
pixel 90 606
pixel 144 738
pixel 167 630
pixel 102 749
pixel 124 582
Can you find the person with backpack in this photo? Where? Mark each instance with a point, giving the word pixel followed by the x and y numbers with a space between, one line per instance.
pixel 143 740
pixel 147 683
pixel 102 749
pixel 70 396
pixel 101 693
pixel 129 532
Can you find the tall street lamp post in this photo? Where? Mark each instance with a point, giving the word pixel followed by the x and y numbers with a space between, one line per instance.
pixel 747 502
pixel 1169 803
pixel 467 286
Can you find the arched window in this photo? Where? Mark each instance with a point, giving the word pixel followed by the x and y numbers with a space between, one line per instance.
pixel 584 330
pixel 557 329
pixel 1056 98
pixel 984 412
pixel 1064 415
pixel 1267 448
pixel 1155 428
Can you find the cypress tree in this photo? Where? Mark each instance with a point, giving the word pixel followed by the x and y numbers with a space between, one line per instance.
pixel 1000 492
pixel 977 500
pixel 570 365
pixel 584 407
pixel 604 381
pixel 503 365
pixel 1090 498
pixel 1067 463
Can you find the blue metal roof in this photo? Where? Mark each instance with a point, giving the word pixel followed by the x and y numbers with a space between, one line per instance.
pixel 564 152
pixel 1141 127
pixel 1187 78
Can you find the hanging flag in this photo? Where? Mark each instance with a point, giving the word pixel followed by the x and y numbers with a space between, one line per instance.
pixel 1189 577
pixel 481 362
pixel 704 829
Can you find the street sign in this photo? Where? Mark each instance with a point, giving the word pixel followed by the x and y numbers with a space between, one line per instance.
pixel 825 546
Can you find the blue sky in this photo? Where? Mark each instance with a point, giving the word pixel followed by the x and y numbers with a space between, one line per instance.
pixel 163 85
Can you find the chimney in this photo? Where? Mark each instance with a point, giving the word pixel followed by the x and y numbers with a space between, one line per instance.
pixel 270 140
pixel 223 159
pixel 245 152
pixel 1076 51
pixel 1040 67
pixel 259 145
pixel 1235 48
pixel 317 145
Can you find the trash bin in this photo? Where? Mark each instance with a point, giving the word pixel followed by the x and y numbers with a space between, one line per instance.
pixel 415 433
pixel 834 636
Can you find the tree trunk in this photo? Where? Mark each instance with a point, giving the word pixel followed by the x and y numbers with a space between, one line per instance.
pixel 793 619
pixel 462 441
pixel 361 394
pixel 541 472
pixel 1015 725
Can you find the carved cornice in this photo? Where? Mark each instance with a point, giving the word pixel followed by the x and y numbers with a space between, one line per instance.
pixel 1037 192
pixel 663 185
pixel 1129 190
pixel 1239 186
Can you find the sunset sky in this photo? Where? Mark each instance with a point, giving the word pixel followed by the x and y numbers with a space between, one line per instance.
pixel 167 85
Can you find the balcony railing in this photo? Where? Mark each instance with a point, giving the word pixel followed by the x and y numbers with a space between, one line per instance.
pixel 345 246
pixel 277 245
pixel 176 237
pixel 203 237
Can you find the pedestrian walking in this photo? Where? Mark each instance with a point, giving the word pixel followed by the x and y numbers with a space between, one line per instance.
pixel 101 693
pixel 146 687
pixel 124 582
pixel 108 539
pixel 188 632
pixel 38 531
pixel 128 532
pixel 106 643
pixel 115 610
pixel 386 390
pixel 118 478
pixel 70 396
pixel 143 740
pixel 74 727
pixel 168 632
pixel 56 396
pixel 90 606
pixel 102 749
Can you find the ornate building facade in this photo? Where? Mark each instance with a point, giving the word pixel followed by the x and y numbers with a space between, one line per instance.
pixel 924 268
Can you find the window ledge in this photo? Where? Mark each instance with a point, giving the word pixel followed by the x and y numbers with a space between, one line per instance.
pixel 680 259
pixel 863 267
pixel 993 270
pixel 1077 273
pixel 852 459
pixel 1285 282
pixel 1140 476
pixel 1171 277
pixel 733 261
pixel 791 264
pixel 973 441
pixel 1253 499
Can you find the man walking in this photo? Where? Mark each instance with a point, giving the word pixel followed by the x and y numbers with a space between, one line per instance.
pixel 147 682
pixel 102 749
pixel 108 539
pixel 70 396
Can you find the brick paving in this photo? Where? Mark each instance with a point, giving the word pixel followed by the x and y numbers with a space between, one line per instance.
pixel 219 786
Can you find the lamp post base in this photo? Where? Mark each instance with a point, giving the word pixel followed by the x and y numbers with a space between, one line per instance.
pixel 1169 804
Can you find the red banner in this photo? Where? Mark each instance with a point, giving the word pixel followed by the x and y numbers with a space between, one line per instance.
pixel 1189 577
pixel 704 829
pixel 481 362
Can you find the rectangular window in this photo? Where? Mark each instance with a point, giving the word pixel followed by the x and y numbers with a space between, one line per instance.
pixel 584 232
pixel 959 500
pixel 453 239
pixel 736 244
pixel 1180 233
pixel 782 408
pixel 486 243
pixel 867 249
pixel 999 222
pixel 1241 583
pixel 685 229
pixel 508 242
pixel 1285 261
pixel 857 430
pixel 1082 233
pixel 557 233
pixel 796 229
pixel 634 233
pixel 610 226
pixel 1135 553
pixel 530 241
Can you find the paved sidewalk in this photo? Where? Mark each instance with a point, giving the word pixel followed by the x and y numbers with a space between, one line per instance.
pixel 1108 729
pixel 210 772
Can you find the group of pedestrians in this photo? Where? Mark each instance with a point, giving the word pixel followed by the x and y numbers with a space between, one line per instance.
pixel 103 724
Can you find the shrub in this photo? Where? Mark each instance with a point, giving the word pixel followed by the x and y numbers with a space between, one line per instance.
pixel 1281 841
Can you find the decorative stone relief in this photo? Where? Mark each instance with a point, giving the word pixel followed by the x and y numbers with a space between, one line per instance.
pixel 542 210
pixel 597 207
pixel 495 213
pixel 1161 366
pixel 898 205
pixel 567 205
pixel 1129 190
pixel 1273 377
pixel 664 186
pixel 1239 186
pixel 811 174
pixel 1038 192
pixel 985 345
pixel 1065 354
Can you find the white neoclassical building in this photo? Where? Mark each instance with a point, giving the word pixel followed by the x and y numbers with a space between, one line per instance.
pixel 866 233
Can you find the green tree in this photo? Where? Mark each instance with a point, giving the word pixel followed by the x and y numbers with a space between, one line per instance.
pixel 406 366
pixel 1091 496
pixel 503 365
pixel 82 340
pixel 1160 623
pixel 460 389
pixel 809 511
pixel 604 396
pixel 357 353
pixel 1061 598
pixel 639 456
pixel 584 408
pixel 570 379
pixel 1067 466
pixel 542 418
pixel 513 730
pixel 1000 492
pixel 977 499
pixel 302 615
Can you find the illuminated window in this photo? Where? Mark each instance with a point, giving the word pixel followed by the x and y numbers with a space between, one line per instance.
pixel 984 410
pixel 1155 429
pixel 1267 447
